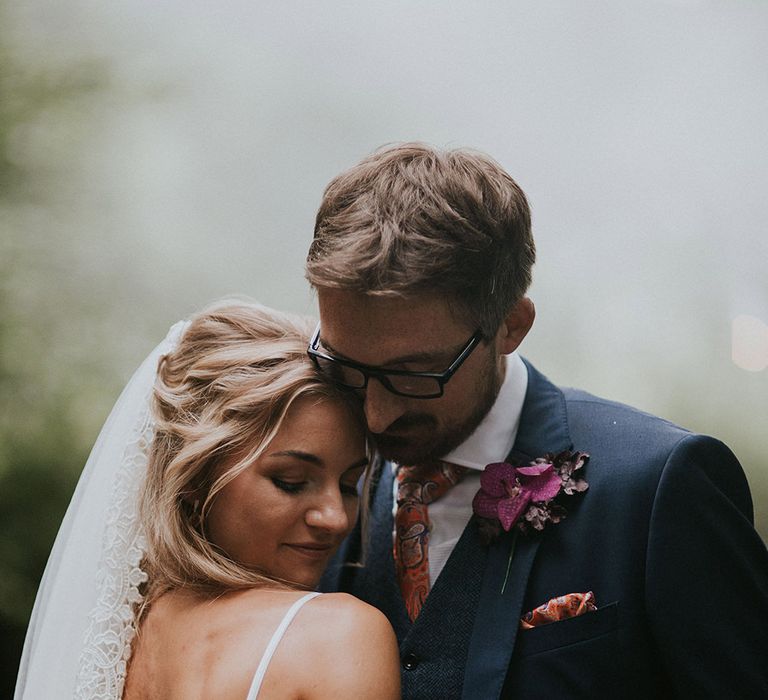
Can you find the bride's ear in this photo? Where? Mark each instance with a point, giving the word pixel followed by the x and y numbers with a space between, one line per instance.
pixel 516 325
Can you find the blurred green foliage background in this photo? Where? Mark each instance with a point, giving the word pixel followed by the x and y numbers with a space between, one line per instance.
pixel 41 445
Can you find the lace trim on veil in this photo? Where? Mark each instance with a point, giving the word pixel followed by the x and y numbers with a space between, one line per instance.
pixel 111 629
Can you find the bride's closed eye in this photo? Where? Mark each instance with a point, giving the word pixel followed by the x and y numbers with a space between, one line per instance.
pixel 289 486
pixel 348 489
pixel 349 483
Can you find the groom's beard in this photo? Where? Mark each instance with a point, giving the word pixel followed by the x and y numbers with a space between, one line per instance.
pixel 418 437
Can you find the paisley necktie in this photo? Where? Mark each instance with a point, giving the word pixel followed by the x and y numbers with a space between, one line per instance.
pixel 418 487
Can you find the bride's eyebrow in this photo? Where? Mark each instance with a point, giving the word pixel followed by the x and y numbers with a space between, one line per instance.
pixel 357 465
pixel 314 459
pixel 299 454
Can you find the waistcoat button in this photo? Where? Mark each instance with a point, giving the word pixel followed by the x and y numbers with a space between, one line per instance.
pixel 410 661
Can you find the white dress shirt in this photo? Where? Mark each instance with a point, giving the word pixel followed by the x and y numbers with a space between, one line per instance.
pixel 491 441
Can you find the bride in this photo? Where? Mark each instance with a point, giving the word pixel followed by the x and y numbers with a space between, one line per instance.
pixel 220 486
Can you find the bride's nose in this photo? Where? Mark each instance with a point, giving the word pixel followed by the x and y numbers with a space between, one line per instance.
pixel 328 514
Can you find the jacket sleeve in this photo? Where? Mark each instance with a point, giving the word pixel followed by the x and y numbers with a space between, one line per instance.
pixel 707 575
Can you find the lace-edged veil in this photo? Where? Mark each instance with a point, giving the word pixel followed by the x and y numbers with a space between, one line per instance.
pixel 79 637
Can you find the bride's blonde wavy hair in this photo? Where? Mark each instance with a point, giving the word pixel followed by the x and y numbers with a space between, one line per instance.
pixel 222 394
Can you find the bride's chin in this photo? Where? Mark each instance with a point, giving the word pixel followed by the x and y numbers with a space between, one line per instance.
pixel 306 578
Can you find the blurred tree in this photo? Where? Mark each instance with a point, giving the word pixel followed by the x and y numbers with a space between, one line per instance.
pixel 41 447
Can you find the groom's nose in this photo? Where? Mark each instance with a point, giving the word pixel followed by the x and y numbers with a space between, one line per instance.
pixel 382 407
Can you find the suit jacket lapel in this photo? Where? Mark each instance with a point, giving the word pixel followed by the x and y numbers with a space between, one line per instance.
pixel 543 428
pixel 544 421
pixel 506 574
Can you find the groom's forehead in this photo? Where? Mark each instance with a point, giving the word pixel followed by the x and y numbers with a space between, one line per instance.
pixel 344 313
pixel 384 331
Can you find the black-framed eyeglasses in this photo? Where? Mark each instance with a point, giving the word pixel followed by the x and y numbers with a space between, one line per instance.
pixel 415 385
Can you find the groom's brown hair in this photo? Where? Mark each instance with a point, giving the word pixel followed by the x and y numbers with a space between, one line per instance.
pixel 411 219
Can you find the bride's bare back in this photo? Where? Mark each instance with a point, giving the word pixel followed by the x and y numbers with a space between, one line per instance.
pixel 192 647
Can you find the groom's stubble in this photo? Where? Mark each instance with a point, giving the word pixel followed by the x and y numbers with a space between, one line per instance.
pixel 418 436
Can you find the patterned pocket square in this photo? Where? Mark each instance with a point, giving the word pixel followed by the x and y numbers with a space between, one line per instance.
pixel 560 608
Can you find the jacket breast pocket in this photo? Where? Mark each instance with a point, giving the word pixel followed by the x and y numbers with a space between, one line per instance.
pixel 580 657
pixel 575 630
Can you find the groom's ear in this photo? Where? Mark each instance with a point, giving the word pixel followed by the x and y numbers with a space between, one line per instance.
pixel 516 325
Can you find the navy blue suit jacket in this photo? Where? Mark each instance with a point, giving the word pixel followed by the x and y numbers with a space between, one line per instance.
pixel 663 537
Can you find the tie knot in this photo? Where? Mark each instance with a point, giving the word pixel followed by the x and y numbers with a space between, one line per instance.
pixel 425 483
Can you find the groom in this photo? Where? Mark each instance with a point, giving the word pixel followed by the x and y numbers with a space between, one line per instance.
pixel 654 584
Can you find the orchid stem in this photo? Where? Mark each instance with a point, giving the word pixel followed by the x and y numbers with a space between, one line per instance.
pixel 509 563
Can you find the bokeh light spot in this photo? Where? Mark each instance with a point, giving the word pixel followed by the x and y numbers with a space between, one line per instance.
pixel 749 343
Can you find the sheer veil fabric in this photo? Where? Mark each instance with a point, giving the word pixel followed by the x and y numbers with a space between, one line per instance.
pixel 79 637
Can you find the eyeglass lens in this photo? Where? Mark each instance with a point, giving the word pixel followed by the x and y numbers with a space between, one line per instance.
pixel 356 379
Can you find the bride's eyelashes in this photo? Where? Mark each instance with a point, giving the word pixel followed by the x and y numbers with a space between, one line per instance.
pixel 298 486
pixel 350 480
pixel 289 486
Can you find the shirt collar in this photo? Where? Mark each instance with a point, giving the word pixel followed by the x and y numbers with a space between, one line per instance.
pixel 493 439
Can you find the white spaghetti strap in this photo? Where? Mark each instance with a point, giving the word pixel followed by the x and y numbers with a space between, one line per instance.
pixel 276 637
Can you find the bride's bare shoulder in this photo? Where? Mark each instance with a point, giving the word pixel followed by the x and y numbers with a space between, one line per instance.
pixel 350 624
pixel 341 613
pixel 344 611
pixel 337 616
pixel 347 650
pixel 336 647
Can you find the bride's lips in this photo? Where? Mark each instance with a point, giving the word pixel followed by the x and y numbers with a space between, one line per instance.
pixel 312 550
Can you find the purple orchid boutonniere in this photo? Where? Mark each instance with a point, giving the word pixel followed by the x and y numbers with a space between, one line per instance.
pixel 527 497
